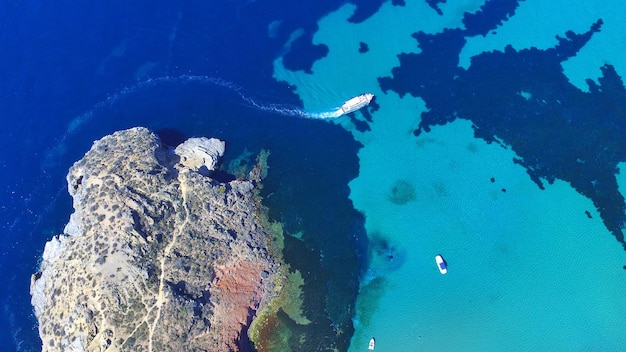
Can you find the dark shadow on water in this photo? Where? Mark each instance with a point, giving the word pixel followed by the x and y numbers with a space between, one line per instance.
pixel 384 257
pixel 369 298
pixel 222 176
pixel 170 137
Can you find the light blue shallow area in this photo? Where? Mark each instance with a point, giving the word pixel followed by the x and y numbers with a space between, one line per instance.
pixel 538 23
pixel 527 270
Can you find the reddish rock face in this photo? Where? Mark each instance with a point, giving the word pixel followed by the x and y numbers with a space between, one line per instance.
pixel 157 255
pixel 238 289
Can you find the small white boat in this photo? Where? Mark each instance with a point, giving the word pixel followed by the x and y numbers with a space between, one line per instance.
pixel 441 264
pixel 356 103
pixel 372 344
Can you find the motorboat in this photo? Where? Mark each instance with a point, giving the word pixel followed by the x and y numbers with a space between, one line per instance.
pixel 441 264
pixel 372 344
pixel 356 103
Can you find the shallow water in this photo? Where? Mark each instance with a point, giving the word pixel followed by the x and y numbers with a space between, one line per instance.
pixel 528 268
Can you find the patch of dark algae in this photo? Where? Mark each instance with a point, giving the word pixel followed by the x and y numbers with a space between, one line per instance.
pixel 521 99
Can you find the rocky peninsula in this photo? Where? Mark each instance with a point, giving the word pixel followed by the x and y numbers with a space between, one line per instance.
pixel 158 255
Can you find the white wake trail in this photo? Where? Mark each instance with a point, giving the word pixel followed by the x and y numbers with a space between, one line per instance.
pixel 291 111
pixel 326 115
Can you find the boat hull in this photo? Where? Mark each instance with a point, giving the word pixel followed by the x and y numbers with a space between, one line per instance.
pixel 356 103
pixel 372 344
pixel 441 264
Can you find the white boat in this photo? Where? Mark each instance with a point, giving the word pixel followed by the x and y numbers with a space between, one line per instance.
pixel 356 103
pixel 372 344
pixel 441 264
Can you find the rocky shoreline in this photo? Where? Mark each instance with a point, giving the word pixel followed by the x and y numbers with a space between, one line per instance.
pixel 158 255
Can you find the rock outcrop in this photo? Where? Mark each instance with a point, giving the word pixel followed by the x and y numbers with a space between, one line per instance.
pixel 157 256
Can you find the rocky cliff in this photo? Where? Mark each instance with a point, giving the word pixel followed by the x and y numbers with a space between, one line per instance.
pixel 157 256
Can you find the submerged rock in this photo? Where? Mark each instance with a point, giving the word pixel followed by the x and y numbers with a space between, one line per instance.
pixel 157 256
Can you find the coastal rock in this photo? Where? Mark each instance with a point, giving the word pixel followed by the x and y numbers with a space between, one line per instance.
pixel 201 154
pixel 157 256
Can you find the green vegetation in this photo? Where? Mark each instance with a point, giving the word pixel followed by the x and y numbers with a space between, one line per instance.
pixel 267 331
pixel 262 162
pixel 292 297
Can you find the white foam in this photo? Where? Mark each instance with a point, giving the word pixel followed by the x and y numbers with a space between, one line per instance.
pixel 326 115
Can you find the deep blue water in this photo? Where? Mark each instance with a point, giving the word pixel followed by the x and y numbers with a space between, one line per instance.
pixel 73 72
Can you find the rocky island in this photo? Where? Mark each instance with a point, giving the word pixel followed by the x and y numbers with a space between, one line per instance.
pixel 158 255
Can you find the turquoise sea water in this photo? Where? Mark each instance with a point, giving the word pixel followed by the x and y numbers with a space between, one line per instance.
pixel 495 140
pixel 528 270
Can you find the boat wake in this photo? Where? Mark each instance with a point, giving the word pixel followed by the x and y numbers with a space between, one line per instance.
pixel 287 110
pixel 349 106
pixel 292 111
pixel 276 108
pixel 78 122
pixel 326 115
